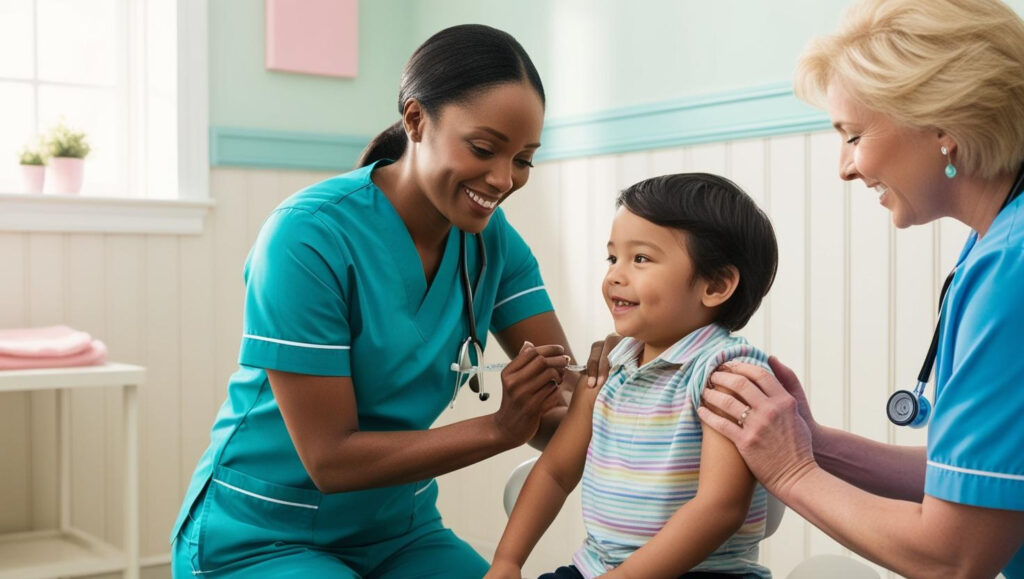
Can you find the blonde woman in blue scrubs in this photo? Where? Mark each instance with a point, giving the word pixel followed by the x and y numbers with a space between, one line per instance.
pixel 322 460
pixel 928 99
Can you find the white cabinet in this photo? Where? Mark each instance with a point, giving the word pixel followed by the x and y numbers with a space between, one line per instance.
pixel 67 551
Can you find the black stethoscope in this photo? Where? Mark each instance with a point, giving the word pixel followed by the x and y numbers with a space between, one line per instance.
pixel 473 341
pixel 906 408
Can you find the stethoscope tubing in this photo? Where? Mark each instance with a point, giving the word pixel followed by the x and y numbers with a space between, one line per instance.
pixel 929 360
pixel 468 291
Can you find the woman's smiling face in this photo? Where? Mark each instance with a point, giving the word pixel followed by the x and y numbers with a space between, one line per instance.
pixel 903 164
pixel 473 155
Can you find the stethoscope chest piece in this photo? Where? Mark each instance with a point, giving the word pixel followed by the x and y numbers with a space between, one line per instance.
pixel 906 408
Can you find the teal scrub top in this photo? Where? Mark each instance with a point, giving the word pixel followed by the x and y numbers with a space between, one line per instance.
pixel 335 287
pixel 975 440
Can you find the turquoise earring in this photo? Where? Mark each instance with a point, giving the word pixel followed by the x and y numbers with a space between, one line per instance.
pixel 950 169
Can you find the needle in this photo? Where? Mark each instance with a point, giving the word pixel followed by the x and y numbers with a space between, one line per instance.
pixel 498 367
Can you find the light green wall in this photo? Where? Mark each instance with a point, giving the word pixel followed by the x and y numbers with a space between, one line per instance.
pixel 594 55
pixel 244 94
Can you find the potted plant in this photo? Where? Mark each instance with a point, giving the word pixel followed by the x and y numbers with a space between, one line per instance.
pixel 67 149
pixel 33 169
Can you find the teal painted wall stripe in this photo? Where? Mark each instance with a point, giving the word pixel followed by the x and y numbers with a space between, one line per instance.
pixel 744 114
pixel 238 147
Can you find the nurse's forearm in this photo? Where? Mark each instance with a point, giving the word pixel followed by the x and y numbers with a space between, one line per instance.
pixel 550 421
pixel 370 459
pixel 548 424
pixel 934 538
pixel 887 470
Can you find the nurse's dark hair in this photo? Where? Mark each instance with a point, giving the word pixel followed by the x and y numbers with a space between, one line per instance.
pixel 453 66
pixel 723 227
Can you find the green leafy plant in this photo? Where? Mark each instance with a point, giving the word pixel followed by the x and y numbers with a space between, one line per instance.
pixel 31 156
pixel 66 142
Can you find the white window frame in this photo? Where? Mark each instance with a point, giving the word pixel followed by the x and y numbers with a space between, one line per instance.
pixel 184 215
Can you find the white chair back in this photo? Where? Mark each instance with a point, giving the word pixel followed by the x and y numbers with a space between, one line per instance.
pixel 839 566
pixel 514 484
pixel 773 518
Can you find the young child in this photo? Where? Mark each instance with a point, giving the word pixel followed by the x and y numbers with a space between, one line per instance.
pixel 689 260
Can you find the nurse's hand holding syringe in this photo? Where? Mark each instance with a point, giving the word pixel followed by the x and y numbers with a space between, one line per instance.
pixel 530 389
pixel 597 354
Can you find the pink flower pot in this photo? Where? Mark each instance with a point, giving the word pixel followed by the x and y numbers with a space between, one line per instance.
pixel 67 175
pixel 32 178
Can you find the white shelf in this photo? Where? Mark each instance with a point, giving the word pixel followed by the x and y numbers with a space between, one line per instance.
pixel 77 213
pixel 74 377
pixel 43 554
pixel 68 551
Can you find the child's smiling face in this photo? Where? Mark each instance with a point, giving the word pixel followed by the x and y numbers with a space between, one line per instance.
pixel 651 287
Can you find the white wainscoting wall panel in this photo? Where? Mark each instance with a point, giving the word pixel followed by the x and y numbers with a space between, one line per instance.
pixel 851 312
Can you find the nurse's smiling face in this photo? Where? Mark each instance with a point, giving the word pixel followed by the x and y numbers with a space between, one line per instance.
pixel 902 164
pixel 470 156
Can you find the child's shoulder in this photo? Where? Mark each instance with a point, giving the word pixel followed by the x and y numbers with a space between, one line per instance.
pixel 731 347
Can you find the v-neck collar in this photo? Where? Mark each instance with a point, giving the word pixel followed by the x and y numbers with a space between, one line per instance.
pixel 425 302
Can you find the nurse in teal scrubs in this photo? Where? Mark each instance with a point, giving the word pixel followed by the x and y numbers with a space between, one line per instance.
pixel 322 459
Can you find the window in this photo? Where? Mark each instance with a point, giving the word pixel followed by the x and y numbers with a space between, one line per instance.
pixel 132 75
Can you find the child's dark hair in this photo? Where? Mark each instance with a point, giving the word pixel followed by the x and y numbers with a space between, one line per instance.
pixel 723 227
pixel 450 67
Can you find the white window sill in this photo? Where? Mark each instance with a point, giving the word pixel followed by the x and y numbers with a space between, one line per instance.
pixel 74 213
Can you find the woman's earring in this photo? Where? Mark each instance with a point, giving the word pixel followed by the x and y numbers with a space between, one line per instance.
pixel 950 169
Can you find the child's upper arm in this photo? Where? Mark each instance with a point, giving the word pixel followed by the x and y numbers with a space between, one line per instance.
pixel 724 477
pixel 566 453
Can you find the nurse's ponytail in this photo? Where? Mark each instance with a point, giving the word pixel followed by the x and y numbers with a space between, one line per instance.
pixel 451 67
pixel 390 144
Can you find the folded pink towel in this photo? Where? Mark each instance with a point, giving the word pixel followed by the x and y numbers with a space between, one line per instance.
pixel 48 342
pixel 95 354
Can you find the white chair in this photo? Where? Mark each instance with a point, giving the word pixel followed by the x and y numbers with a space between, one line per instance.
pixel 514 484
pixel 832 566
pixel 816 567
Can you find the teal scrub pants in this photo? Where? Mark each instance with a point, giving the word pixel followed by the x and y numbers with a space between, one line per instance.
pixel 428 549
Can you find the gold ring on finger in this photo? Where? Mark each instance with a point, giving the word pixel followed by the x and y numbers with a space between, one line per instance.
pixel 743 417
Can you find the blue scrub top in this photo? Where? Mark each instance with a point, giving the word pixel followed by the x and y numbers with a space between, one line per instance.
pixel 335 287
pixel 976 439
